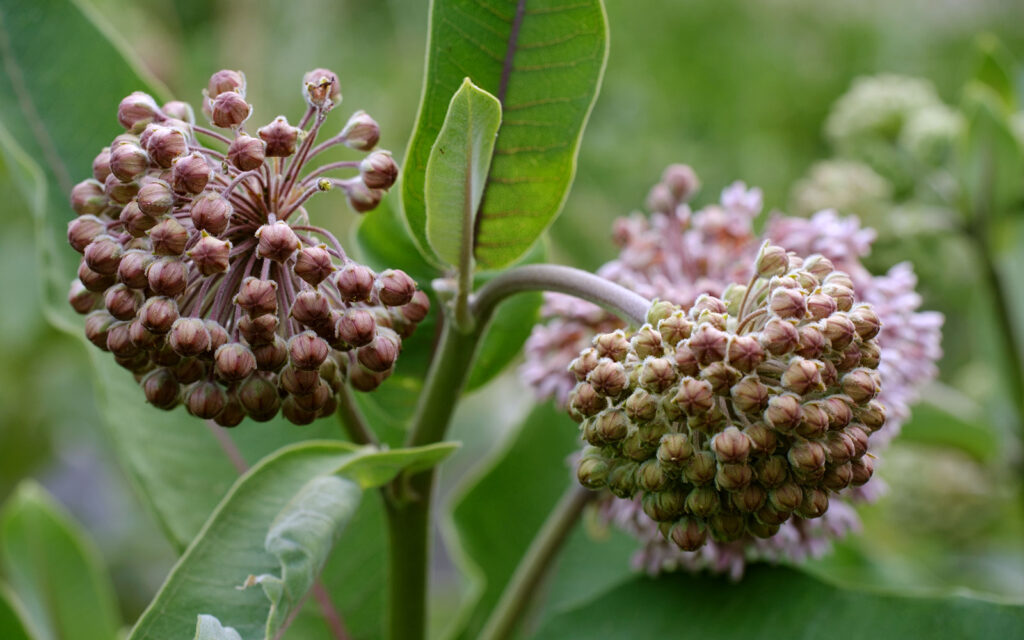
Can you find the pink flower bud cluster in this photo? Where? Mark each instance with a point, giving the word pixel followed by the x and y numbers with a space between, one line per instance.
pixel 677 254
pixel 202 275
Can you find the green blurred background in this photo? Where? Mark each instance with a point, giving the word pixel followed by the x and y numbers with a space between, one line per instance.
pixel 740 90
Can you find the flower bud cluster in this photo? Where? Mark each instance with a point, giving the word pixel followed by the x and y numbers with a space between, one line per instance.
pixel 202 276
pixel 728 419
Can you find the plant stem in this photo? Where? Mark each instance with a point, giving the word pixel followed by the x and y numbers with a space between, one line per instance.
pixel 536 563
pixel 352 419
pixel 409 499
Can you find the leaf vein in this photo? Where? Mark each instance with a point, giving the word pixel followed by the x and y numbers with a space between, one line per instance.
pixel 469 38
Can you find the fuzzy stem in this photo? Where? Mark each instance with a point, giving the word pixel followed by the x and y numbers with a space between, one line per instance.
pixel 408 502
pixel 536 563
pixel 352 419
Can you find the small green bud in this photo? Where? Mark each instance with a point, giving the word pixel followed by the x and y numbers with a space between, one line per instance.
pixel 688 534
pixel 772 471
pixel 772 260
pixel 592 472
pixel 733 477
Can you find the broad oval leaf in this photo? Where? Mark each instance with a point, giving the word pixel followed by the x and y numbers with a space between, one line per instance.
pixel 457 171
pixel 775 602
pixel 543 60
pixel 54 569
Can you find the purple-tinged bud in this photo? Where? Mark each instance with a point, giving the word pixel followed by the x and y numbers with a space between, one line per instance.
pixel 584 363
pixel 161 389
pixel 837 477
pixel 395 288
pixel 316 400
pixel 189 337
pixel 675 328
pixel 205 400
pixel 749 395
pixel 788 303
pixel 158 314
pixel 705 302
pixel 211 212
pixel 733 476
pixel 865 321
pixel 812 342
pixel 179 110
pixel 806 457
pixel 703 502
pixel 361 197
pixel 843 295
pixel 813 420
pixel 612 345
pixel 140 336
pixel 839 330
pixel 362 379
pixel 259 397
pixel 81 299
pixel 859 436
pixel 416 309
pixel 762 438
pixel 779 337
pixel 862 468
pixel 839 447
pixel 121 302
pixel 647 342
pixel 772 260
pixel 721 376
pixel 307 351
pixel 103 255
pixel 708 344
pixel 321 89
pixel 872 415
pixel 608 378
pixel 128 161
pixel 277 241
pixel 234 361
pixel 820 306
pixel 355 282
pixel 860 385
pixel 819 266
pixel 88 197
pixel 134 221
pixel 280 137
pixel 814 505
pixel 311 308
pixel 681 181
pixel 357 327
pixel 803 376
pixel 233 412
pixel 167 276
pixel 786 497
pixel 379 170
pixel 229 109
pixel 168 237
pixel 749 499
pixel 660 310
pixel 225 80
pixel 119 342
pixel 299 382
pixel 584 401
pixel 592 472
pixel 313 264
pixel 210 255
pixel 839 412
pixel 641 406
pixel 259 330
pixel 271 355
pixel 165 144
pixel 295 414
pixel 256 296
pixel 155 198
pixel 120 192
pixel 731 445
pixel 700 469
pixel 101 165
pixel 745 353
pixel 688 534
pixel 190 173
pixel 247 153
pixel 694 397
pixel 381 353
pixel 94 282
pixel 806 280
pixel 657 374
pixel 136 110
pixel 674 451
pixel 189 370
pixel 218 337
pixel 97 326
pixel 783 412
pixel 771 471
pixel 829 374
pixel 83 230
pixel 361 132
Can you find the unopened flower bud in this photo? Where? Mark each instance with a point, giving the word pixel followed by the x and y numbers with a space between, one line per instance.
pixel 585 401
pixel 860 385
pixel 229 109
pixel 772 260
pixel 155 198
pixel 272 354
pixel 612 345
pixel 749 395
pixel 395 288
pixel 161 389
pixel 803 376
pixel 788 303
pixel 872 415
pixel 361 132
pixel 97 325
pixel 416 309
pixel 700 469
pixel 81 299
pixel 731 445
pixel 247 153
pixel 165 144
pixel 608 378
pixel 783 412
pixel 681 180
pixel 121 302
pixel 101 165
pixel 234 361
pixel 733 476
pixel 592 472
pixel 674 451
pixel 688 534
pixel 210 255
pixel 88 198
pixel 641 406
pixel 211 212
pixel 379 170
pixel 787 497
pixel 225 80
pixel 694 396
pixel 167 276
pixel 277 241
pixel 355 282
pixel 103 255
pixel 189 337
pixel 257 297
pixel 815 503
pixel 812 342
pixel 280 137
pixel 190 173
pixel 862 470
pixel 865 321
pixel 137 109
pixel 179 111
pixel 647 342
pixel 814 420
pixel 675 328
pixel 749 499
pixel 168 237
pixel 128 161
pixel 806 457
pixel 745 353
pixel 205 400
pixel 94 282
pixel 720 376
pixel 119 192
pixel 313 264
pixel 356 327
pixel 820 305
pixel 83 230
pixel 307 351
pixel 842 294
pixel 259 397
pixel 134 221
pixel 361 197
pixel 703 502
pixel 311 308
pixel 779 337
pixel 657 374
pixel 708 344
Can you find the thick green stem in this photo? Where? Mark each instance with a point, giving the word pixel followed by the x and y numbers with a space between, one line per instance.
pixel 535 564
pixel 409 499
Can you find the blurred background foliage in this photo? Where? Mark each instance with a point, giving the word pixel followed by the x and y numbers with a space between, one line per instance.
pixel 739 90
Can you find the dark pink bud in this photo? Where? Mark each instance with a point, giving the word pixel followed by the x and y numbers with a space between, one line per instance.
pixel 866 322
pixel 820 306
pixel 93 281
pixel 395 288
pixel 280 137
pixel 190 173
pixel 168 237
pixel 860 385
pixel 363 379
pixel 316 400
pixel 97 325
pixel 167 276
pixel 101 165
pixel 788 303
pixel 379 170
pixel 295 414
pixel 361 197
pixel 119 341
pixel 137 109
pixel 247 153
pixel 361 132
pixel 307 351
pixel 88 197
pixel 210 255
pixel 164 144
pixel 81 299
pixel 272 355
pixel 311 308
pixel 417 308
pixel 225 80
pixel 161 389
pixel 783 412
pixel 381 353
pixel 234 361
pixel 205 400
pixel 277 241
pixel 155 198
pixel 128 161
pixel 840 330
pixel 299 382
pixel 708 344
pixel 259 397
pixel 803 376
pixel 257 297
pixel 355 282
pixel 121 302
pixel 189 337
pixel 83 230
pixel 745 353
pixel 313 264
pixel 103 255
pixel 812 341
pixel 229 109
pixel 158 314
pixel 135 222
pixel 356 327
pixel 119 192
pixel 211 212
pixel 779 337
pixel 694 397
pixel 259 330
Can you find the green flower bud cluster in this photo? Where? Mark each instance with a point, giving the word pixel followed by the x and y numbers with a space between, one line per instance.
pixel 202 274
pixel 730 418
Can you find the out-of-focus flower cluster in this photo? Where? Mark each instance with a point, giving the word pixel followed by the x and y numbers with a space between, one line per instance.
pixel 676 254
pixel 202 274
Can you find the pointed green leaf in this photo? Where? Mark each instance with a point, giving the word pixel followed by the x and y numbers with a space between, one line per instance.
pixel 457 171
pixel 54 569
pixel 543 60
pixel 775 602
pixel 14 621
pixel 995 68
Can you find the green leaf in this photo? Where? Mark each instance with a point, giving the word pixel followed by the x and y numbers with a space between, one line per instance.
pixel 457 171
pixel 274 528
pixel 210 628
pixel 54 568
pixel 513 321
pixel 995 68
pixel 526 479
pixel 14 621
pixel 776 603
pixel 543 60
